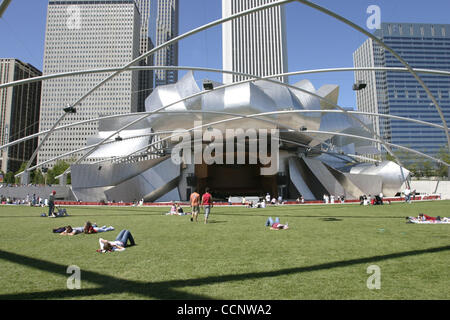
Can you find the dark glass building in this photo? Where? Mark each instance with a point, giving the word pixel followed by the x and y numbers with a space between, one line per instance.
pixel 19 113
pixel 425 46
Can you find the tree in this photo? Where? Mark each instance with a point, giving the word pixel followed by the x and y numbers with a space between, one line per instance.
pixel 38 177
pixel 443 155
pixel 57 170
pixel 9 177
pixel 428 169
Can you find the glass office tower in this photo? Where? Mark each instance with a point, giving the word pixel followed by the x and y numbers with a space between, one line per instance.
pixel 166 29
pixel 425 46
pixel 19 113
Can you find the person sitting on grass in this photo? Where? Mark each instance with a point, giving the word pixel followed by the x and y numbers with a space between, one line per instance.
pixel 119 244
pixel 173 210
pixel 276 225
pixel 180 211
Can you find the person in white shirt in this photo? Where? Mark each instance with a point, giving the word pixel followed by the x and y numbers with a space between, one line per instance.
pixel 117 245
pixel 407 193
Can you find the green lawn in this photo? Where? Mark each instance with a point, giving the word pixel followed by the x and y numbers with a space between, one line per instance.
pixel 324 255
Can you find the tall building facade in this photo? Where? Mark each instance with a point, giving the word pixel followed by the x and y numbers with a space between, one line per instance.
pixel 146 44
pixel 167 19
pixel 256 43
pixel 425 46
pixel 80 35
pixel 19 113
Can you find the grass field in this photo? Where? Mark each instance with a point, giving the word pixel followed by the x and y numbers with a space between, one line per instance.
pixel 324 255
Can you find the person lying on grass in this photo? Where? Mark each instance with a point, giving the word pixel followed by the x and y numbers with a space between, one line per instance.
pixel 69 231
pixel 423 217
pixel 117 245
pixel 93 228
pixel 74 231
pixel 276 225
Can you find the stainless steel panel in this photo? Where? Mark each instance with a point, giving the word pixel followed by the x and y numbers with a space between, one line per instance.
pixel 327 180
pixel 298 180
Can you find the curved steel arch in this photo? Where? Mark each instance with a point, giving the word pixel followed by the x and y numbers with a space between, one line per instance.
pixel 392 51
pixel 147 54
pixel 137 68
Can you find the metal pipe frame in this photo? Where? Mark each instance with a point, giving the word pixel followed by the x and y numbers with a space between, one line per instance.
pixel 220 21
pixel 138 68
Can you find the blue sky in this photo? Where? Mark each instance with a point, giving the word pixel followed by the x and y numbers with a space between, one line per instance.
pixel 314 40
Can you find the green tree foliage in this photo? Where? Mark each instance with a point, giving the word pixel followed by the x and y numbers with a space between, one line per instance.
pixel 57 170
pixel 38 177
pixel 9 177
pixel 443 155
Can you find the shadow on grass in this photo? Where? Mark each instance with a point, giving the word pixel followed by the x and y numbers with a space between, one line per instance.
pixel 167 290
pixel 274 214
pixel 330 219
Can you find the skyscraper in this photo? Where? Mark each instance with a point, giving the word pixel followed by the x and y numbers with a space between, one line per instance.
pixel 146 44
pixel 166 29
pixel 19 113
pixel 80 35
pixel 256 43
pixel 425 46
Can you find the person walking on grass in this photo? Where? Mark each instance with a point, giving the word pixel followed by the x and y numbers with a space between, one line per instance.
pixel 195 206
pixel 207 204
pixel 51 204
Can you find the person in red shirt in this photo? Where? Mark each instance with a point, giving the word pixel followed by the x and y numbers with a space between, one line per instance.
pixel 276 225
pixel 425 217
pixel 207 204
